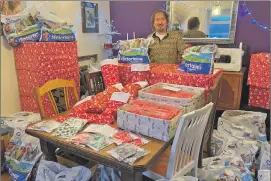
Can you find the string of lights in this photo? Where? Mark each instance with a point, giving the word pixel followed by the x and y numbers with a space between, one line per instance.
pixel 246 11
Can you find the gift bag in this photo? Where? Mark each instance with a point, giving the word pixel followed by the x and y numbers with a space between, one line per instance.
pixel 49 171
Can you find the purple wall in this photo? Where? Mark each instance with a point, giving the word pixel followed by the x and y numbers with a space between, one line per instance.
pixel 258 40
pixel 134 16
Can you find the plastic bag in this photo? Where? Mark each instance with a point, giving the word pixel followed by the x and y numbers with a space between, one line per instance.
pixel 49 171
pixel 123 151
pixel 224 168
pixel 254 121
pixel 21 119
pixel 54 29
pixel 199 59
pixel 47 126
pixel 98 142
pixel 70 127
pixel 21 155
pixel 264 175
pixel 264 157
pixel 139 153
pixel 134 51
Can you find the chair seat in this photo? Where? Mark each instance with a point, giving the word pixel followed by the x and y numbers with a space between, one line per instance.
pixel 160 166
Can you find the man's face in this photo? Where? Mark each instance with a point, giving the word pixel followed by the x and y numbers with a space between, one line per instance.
pixel 160 22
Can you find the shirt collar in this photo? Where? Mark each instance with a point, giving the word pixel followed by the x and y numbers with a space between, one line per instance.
pixel 154 34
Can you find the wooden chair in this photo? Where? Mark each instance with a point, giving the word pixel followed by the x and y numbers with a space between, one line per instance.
pixel 47 89
pixel 183 156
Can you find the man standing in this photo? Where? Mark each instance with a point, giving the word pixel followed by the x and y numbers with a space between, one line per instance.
pixel 167 46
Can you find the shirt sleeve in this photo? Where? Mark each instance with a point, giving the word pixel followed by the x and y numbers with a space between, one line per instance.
pixel 180 45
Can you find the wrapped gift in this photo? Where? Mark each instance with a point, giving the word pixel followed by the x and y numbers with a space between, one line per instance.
pixel 259 80
pixel 128 75
pixel 159 122
pixel 109 69
pixel 40 62
pixel 190 98
pixel 169 73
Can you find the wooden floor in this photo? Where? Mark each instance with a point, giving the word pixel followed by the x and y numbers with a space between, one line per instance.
pixel 5 177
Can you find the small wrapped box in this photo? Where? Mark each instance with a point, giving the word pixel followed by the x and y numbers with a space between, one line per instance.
pixel 152 126
pixel 259 80
pixel 190 98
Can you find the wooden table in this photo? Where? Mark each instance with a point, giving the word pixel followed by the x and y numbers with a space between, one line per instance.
pixel 231 89
pixel 132 173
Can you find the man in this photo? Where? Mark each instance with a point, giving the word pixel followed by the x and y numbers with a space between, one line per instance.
pixel 167 46
pixel 193 29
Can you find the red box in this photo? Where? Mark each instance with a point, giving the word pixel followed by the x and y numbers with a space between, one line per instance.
pixel 40 62
pixel 259 80
pixel 126 75
pixel 169 73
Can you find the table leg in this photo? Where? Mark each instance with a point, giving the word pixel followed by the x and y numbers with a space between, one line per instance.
pixel 49 150
pixel 128 176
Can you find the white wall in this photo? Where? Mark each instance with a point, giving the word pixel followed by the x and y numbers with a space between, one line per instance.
pixel 88 43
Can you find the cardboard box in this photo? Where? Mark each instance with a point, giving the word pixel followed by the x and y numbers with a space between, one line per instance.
pixel 153 127
pixel 189 104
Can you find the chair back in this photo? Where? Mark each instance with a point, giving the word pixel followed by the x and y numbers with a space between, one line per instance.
pixel 187 142
pixel 47 89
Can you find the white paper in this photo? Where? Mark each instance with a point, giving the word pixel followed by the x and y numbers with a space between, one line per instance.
pixel 120 97
pixel 264 175
pixel 105 130
pixel 140 67
pixel 118 86
pixel 171 88
pixel 143 84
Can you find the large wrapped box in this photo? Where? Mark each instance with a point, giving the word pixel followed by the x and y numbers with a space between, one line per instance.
pixel 160 129
pixel 169 73
pixel 40 62
pixel 128 75
pixel 190 98
pixel 259 80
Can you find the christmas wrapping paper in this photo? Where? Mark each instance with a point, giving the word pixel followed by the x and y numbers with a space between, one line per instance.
pixel 126 74
pixel 169 73
pixel 259 70
pixel 100 109
pixel 110 74
pixel 40 62
pixel 259 80
pixel 189 104
pixel 259 97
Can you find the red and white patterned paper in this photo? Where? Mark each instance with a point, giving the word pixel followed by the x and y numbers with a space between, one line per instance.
pixel 169 73
pixel 40 62
pixel 110 74
pixel 259 97
pixel 259 70
pixel 127 76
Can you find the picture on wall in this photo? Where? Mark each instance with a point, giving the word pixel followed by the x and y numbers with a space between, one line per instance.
pixel 90 19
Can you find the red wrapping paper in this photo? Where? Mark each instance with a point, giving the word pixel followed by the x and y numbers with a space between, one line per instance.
pixel 259 80
pixel 169 73
pixel 100 109
pixel 259 97
pixel 110 74
pixel 40 62
pixel 127 76
pixel 259 70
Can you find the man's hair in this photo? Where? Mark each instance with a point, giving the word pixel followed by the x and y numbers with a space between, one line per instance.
pixel 193 23
pixel 159 11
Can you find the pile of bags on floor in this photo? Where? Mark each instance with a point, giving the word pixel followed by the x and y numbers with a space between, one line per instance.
pixel 239 137
pixel 23 151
